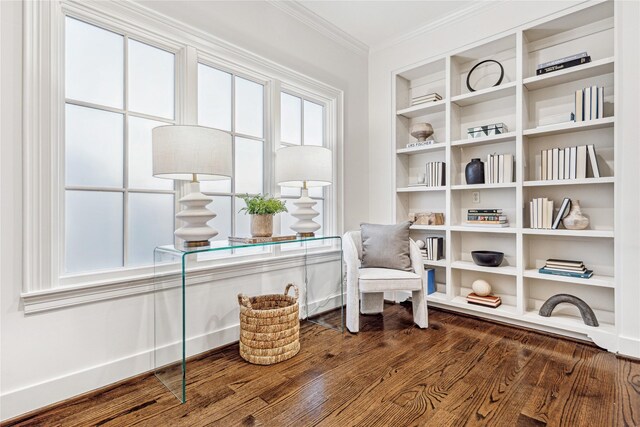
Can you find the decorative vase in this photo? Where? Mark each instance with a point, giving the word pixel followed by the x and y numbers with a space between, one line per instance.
pixel 474 172
pixel 261 225
pixel 575 220
pixel 421 131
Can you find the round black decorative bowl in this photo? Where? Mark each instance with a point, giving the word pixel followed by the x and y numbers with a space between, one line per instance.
pixel 487 258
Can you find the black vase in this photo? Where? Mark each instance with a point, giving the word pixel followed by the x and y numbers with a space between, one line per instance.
pixel 474 172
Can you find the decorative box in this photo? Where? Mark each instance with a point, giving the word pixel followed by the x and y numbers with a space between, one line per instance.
pixel 487 130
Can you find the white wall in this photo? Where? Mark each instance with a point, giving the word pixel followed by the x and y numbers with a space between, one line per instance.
pixel 54 355
pixel 498 18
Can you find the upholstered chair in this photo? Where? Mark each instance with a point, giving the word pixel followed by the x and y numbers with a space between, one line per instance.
pixel 366 286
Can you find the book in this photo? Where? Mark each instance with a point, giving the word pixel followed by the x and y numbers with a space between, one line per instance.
pixel 487 301
pixel 567 269
pixel 501 168
pixel 555 156
pixel 591 150
pixel 260 239
pixel 490 225
pixel 508 168
pixel 560 163
pixel 549 164
pixel 484 221
pixel 486 217
pixel 561 60
pixel 567 162
pixel 564 207
pixel 484 211
pixel 564 261
pixel 543 165
pixel 531 217
pixel 579 105
pixel 587 104
pixel 539 210
pixel 594 102
pixel 563 65
pixel 572 163
pixel 549 214
pixel 587 274
pixel 600 109
pixel 496 169
pixel 487 298
pixel 431 280
pixel 581 162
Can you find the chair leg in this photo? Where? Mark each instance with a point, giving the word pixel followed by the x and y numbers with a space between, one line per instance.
pixel 372 302
pixel 420 314
pixel 353 315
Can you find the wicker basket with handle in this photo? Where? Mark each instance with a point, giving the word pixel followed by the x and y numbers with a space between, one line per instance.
pixel 269 327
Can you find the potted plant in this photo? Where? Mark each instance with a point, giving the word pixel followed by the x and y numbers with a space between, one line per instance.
pixel 262 208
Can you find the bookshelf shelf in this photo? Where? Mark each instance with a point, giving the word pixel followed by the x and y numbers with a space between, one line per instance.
pixel 521 102
pixel 595 280
pixel 592 69
pixel 585 181
pixel 429 227
pixel 435 263
pixel 489 94
pixel 470 266
pixel 483 186
pixel 419 189
pixel 569 127
pixel 425 149
pixel 572 233
pixel 492 139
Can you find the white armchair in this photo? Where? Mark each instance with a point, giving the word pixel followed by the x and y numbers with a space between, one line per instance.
pixel 366 286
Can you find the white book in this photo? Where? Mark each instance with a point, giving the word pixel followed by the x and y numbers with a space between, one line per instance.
pixel 545 212
pixel 561 164
pixel 581 162
pixel 539 210
pixel 567 162
pixel 600 102
pixel 508 168
pixel 543 165
pixel 579 105
pixel 594 102
pixel 572 165
pixel 496 170
pixel 591 150
pixel 501 168
pixel 549 222
pixel 555 156
pixel 487 178
pixel 587 104
pixel 549 164
pixel 531 220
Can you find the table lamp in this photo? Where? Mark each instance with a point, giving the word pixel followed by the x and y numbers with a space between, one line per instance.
pixel 192 153
pixel 304 166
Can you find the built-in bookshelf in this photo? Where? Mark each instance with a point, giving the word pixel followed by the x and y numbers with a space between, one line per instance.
pixel 523 102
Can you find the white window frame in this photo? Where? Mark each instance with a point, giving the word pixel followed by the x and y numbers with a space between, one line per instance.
pixel 43 136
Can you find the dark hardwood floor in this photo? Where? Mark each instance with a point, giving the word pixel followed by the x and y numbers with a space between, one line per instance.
pixel 460 371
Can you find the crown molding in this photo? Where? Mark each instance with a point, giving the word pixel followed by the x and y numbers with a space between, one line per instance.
pixel 321 25
pixel 458 15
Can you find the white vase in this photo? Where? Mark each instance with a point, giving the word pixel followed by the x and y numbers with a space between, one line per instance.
pixel 575 220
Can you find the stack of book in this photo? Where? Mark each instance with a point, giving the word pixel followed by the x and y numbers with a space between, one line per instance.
pixel 589 104
pixel 435 174
pixel 487 218
pixel 498 168
pixel 433 249
pixel 423 99
pixel 487 301
pixel 563 267
pixel 541 213
pixel 569 163
pixel 563 63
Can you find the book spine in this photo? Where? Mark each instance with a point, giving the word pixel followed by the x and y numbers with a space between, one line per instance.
pixel 486 217
pixel 561 60
pixel 586 275
pixel 563 65
pixel 431 281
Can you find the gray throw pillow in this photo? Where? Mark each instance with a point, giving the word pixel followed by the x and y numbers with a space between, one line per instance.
pixel 386 246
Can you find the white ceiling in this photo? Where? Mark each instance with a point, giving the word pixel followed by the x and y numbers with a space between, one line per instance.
pixel 377 22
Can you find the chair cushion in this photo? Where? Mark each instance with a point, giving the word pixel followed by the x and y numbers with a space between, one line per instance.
pixel 386 246
pixel 385 279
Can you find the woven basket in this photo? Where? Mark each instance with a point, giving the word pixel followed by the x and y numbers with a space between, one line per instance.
pixel 269 327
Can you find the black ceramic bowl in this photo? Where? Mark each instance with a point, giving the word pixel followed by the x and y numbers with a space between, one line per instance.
pixel 487 258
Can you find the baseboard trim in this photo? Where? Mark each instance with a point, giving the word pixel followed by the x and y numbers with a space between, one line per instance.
pixel 15 403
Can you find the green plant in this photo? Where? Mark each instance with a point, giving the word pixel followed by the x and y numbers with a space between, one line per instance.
pixel 262 205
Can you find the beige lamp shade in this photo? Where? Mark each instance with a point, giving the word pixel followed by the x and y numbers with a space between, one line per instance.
pixel 303 163
pixel 179 152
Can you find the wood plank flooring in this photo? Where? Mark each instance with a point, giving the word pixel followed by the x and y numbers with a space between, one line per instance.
pixel 460 371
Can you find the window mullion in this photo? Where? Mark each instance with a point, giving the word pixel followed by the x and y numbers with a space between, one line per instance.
pixel 125 152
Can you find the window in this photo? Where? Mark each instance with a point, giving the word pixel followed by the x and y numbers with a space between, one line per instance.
pixel 93 210
pixel 233 104
pixel 116 90
pixel 302 122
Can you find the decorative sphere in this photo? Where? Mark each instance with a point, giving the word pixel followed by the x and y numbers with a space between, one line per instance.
pixel 420 244
pixel 481 287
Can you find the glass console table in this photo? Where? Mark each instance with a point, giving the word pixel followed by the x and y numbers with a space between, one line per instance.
pixel 195 291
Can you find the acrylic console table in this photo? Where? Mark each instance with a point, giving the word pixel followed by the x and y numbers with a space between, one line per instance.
pixel 187 303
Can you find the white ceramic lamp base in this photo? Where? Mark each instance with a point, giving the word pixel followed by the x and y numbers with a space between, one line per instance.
pixel 195 232
pixel 305 226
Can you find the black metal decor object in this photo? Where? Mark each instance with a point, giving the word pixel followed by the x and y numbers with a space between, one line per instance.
pixel 588 316
pixel 480 63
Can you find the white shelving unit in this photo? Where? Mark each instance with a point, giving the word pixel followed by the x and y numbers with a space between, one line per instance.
pixel 521 101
